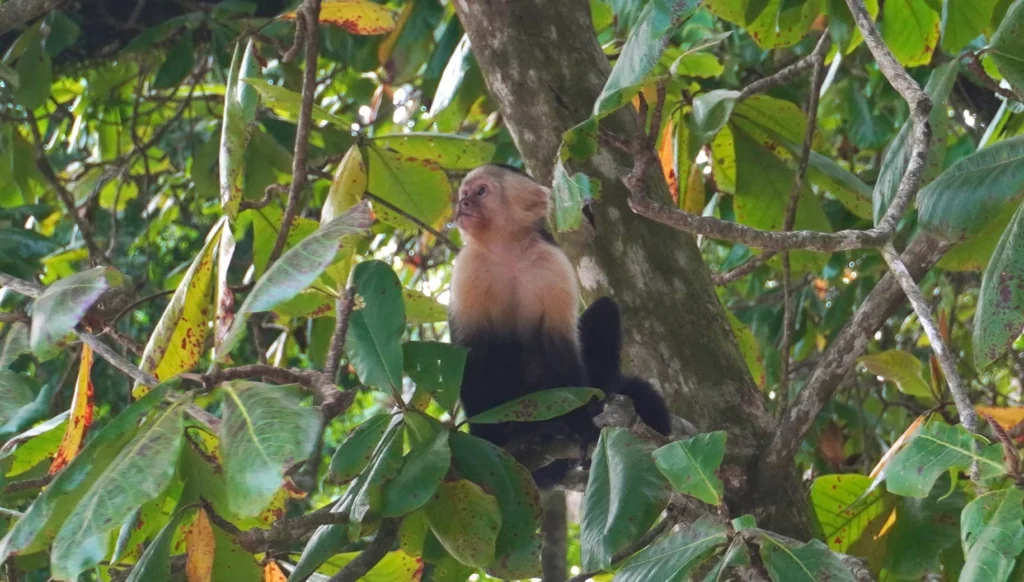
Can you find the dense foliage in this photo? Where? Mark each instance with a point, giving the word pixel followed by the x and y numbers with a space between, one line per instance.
pixel 224 269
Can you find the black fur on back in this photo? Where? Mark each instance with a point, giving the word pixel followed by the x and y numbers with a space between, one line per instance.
pixel 601 343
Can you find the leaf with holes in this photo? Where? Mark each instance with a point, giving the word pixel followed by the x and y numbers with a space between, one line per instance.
pixel 375 329
pixel 623 481
pixel 676 557
pixel 50 510
pixel 466 521
pixel 179 338
pixel 999 319
pixel 690 466
pixel 62 305
pixel 436 367
pixel 295 270
pixel 542 405
pixel 265 430
pixel 141 471
pixel 936 448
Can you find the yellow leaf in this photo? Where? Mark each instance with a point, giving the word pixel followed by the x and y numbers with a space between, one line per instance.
pixel 356 16
pixel 199 549
pixel 179 338
pixel 273 573
pixel 694 197
pixel 668 157
pixel 1006 417
pixel 81 415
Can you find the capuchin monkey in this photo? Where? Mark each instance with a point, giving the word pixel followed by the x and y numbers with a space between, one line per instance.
pixel 514 304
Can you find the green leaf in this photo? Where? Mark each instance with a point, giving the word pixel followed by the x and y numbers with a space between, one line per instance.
pixel 178 64
pixel 901 368
pixel 265 430
pixel 711 112
pixel 690 466
pixel 31 413
pixel 419 477
pixel 63 32
pixel 421 309
pixel 999 319
pixel 624 481
pixel 35 73
pixel 366 492
pixel 141 471
pixel 777 25
pixel 1007 46
pixel 355 452
pixel 245 95
pixel 936 448
pixel 34 445
pixel 297 268
pixel 570 193
pixel 542 405
pixel 894 164
pixel 677 557
pixel 466 521
pixel 812 562
pixel 911 30
pixel 749 347
pixel 931 522
pixel 992 535
pixel 15 393
pixel 436 367
pixel 155 562
pixel 420 188
pixel 277 97
pixel 517 550
pixel 699 65
pixel 15 344
pixel 234 137
pixel 375 330
pixel 36 528
pixel 647 41
pixel 840 510
pixel 61 306
pixel 964 21
pixel 452 152
pixel 580 141
pixel 974 191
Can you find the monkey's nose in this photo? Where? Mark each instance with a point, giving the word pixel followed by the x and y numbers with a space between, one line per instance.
pixel 465 203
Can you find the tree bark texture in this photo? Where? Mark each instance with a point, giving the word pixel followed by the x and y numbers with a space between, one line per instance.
pixel 544 67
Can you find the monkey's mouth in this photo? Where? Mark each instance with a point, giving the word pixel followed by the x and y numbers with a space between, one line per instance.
pixel 462 217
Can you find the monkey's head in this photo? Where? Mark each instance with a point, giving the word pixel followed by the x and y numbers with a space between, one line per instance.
pixel 499 203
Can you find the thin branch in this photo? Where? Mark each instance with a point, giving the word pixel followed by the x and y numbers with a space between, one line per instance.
pixel 286 531
pixel 332 400
pixel 11 513
pixel 26 288
pixel 968 417
pixel 372 554
pixel 117 360
pixel 27 484
pixel 311 13
pixel 269 193
pixel 419 223
pixel 788 314
pixel 742 270
pixel 782 77
pixel 343 309
pixel 138 302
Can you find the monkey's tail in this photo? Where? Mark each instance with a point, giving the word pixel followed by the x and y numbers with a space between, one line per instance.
pixel 601 343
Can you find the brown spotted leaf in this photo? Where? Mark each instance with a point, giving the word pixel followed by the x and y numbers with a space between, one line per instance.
pixel 356 16
pixel 1000 316
pixel 199 549
pixel 466 520
pixel 81 415
pixel 542 405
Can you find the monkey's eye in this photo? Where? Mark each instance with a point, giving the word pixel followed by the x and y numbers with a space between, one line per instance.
pixel 480 191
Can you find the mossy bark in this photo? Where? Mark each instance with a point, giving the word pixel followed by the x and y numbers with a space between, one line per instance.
pixel 544 68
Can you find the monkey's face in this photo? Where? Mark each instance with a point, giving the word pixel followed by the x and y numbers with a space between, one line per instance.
pixel 496 204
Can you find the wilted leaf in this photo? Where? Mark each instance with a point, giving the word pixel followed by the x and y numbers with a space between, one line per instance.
pixel 179 338
pixel 81 415
pixel 1006 417
pixel 200 547
pixel 265 430
pixel 690 466
pixel 623 481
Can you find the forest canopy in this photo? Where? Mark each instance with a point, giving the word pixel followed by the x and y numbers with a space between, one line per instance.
pixel 226 253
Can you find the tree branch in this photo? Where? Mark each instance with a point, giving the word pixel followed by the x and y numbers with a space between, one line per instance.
pixel 14 13
pixel 372 554
pixel 342 309
pixel 311 13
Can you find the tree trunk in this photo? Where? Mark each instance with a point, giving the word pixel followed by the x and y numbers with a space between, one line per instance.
pixel 544 67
